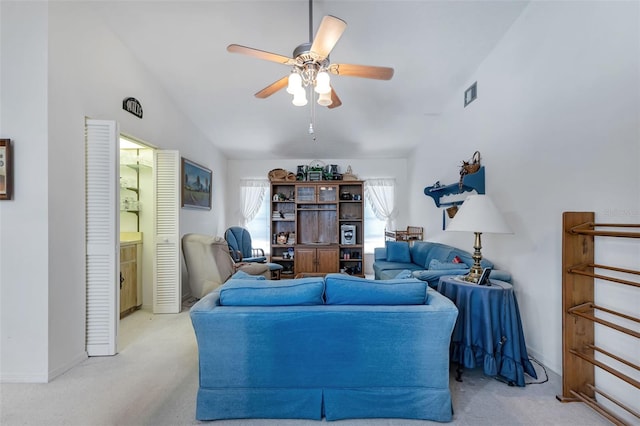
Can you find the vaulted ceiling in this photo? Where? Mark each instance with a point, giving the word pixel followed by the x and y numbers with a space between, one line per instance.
pixel 434 46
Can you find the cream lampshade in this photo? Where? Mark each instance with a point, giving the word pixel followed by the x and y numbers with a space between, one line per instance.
pixel 479 215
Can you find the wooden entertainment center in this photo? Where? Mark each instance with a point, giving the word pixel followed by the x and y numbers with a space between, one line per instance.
pixel 317 227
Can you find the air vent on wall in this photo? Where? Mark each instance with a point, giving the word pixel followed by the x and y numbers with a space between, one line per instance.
pixel 471 94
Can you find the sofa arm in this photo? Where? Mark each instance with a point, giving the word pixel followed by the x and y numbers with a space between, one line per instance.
pixel 380 253
pixel 206 304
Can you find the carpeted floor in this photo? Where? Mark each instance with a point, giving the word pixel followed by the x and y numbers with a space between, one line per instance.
pixel 154 379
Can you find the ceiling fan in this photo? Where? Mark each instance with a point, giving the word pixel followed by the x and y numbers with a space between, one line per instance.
pixel 310 65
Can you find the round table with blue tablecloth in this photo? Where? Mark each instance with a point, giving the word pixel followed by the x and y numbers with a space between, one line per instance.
pixel 488 332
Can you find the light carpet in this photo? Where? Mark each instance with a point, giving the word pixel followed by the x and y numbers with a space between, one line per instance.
pixel 154 378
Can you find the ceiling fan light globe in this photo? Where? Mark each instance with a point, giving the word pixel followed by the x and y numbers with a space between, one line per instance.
pixel 294 84
pixel 325 98
pixel 323 83
pixel 300 98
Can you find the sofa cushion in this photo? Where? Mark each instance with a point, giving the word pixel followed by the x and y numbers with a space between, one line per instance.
pixel 379 253
pixel 343 289
pixel 251 292
pixel 398 251
pixel 437 264
pixel 437 251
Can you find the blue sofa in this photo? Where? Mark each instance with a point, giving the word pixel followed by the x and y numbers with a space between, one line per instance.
pixel 336 347
pixel 425 260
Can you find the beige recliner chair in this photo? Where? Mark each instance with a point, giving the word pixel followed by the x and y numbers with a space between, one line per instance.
pixel 209 264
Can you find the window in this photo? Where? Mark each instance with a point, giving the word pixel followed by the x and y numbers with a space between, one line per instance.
pixel 254 211
pixel 380 211
pixel 373 229
pixel 259 227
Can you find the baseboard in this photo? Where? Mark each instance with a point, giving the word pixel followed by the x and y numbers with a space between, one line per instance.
pixel 185 299
pixel 544 361
pixel 23 378
pixel 44 377
pixel 67 366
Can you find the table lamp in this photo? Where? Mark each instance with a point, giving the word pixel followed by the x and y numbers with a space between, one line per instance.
pixel 478 214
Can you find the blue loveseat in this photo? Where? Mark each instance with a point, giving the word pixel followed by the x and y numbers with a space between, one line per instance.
pixel 336 347
pixel 425 260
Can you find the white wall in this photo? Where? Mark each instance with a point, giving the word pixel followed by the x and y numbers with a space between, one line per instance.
pixel 557 121
pixel 23 221
pixel 89 74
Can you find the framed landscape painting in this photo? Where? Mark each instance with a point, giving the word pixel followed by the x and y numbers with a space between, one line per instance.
pixel 6 175
pixel 196 185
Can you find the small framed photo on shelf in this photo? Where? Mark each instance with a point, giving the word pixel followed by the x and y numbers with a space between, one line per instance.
pixel 484 277
pixel 196 185
pixel 6 170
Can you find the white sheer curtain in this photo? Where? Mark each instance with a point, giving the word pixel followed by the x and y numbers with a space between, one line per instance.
pixel 252 193
pixel 381 194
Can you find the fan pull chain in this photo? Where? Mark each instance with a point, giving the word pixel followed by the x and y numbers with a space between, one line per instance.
pixel 312 115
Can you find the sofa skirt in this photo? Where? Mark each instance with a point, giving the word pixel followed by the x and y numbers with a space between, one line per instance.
pixel 404 403
pixel 332 404
pixel 263 403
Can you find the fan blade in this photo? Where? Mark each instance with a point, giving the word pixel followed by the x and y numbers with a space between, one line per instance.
pixel 364 71
pixel 329 32
pixel 335 100
pixel 260 54
pixel 273 88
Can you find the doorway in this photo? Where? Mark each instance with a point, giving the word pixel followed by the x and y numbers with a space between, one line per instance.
pixel 159 247
pixel 136 225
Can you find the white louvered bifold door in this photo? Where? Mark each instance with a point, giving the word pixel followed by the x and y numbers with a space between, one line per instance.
pixel 166 265
pixel 102 236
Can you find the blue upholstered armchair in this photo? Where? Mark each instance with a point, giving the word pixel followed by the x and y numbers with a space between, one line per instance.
pixel 239 241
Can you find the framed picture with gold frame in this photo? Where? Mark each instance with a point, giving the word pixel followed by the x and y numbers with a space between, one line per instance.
pixel 6 170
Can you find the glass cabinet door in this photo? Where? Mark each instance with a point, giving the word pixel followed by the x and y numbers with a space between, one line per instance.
pixel 305 193
pixel 327 193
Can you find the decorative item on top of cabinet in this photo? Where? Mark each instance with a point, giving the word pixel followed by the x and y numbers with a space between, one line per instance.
pixel 348 175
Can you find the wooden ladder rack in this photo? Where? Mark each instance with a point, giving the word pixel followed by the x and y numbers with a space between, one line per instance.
pixel 579 313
